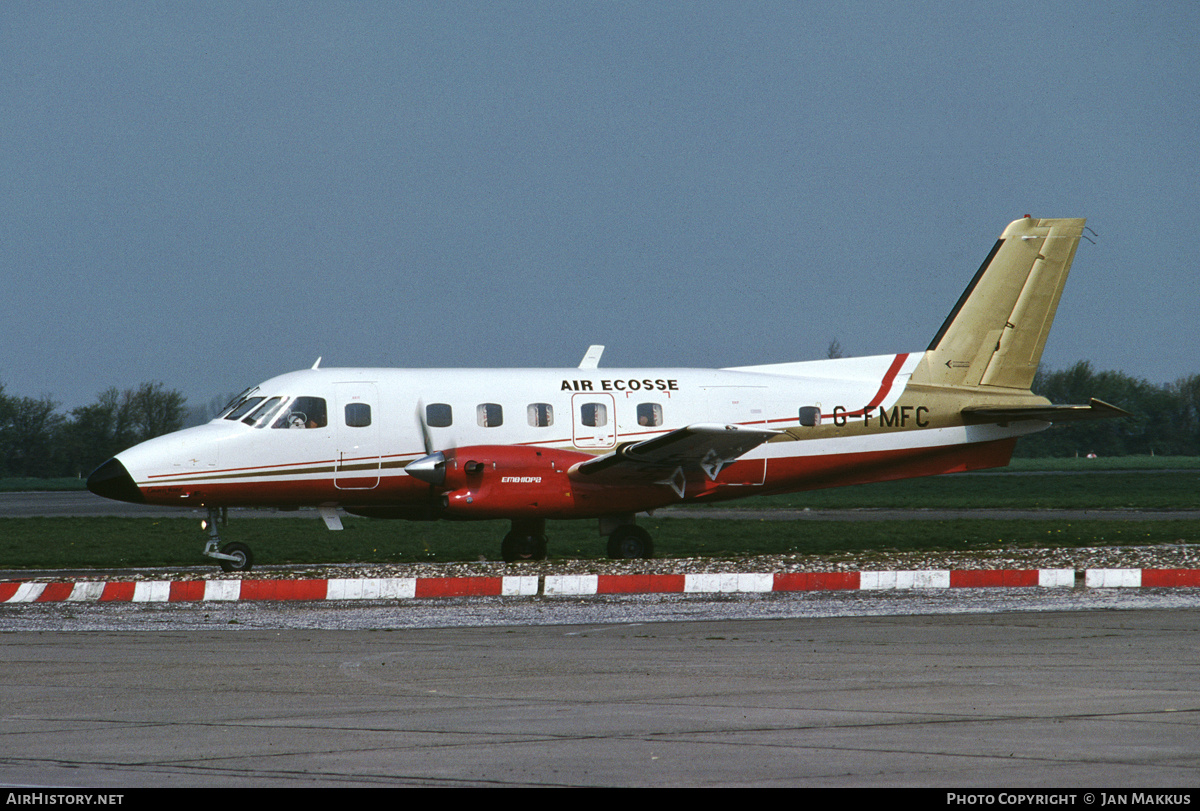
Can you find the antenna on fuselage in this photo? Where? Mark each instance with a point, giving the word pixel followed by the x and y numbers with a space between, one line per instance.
pixel 318 363
pixel 591 358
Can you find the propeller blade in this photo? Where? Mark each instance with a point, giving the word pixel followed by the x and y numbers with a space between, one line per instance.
pixel 425 435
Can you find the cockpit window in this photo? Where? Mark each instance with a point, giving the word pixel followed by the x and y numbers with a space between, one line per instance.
pixel 236 401
pixel 303 412
pixel 241 409
pixel 262 415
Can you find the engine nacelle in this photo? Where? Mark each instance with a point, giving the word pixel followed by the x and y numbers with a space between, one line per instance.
pixel 500 481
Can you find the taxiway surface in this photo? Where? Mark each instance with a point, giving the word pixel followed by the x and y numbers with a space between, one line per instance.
pixel 833 690
pixel 962 687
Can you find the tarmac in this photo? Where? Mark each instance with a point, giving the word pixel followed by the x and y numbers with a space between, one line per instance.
pixel 920 678
pixel 275 695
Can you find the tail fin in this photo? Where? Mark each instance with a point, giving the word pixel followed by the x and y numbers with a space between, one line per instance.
pixel 995 335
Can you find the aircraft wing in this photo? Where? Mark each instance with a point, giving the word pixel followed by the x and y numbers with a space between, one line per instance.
pixel 1094 410
pixel 707 446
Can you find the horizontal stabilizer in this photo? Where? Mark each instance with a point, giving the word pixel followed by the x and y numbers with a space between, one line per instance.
pixel 1094 410
pixel 709 447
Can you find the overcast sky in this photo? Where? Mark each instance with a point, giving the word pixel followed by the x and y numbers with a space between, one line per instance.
pixel 209 194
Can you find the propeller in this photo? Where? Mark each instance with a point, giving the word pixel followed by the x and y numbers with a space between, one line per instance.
pixel 431 467
pixel 425 435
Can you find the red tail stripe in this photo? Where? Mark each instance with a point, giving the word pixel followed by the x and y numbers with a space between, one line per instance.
pixel 885 386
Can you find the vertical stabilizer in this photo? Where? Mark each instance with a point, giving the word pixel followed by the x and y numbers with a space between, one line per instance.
pixel 996 333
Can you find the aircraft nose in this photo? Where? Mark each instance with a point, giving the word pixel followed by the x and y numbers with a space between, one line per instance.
pixel 112 480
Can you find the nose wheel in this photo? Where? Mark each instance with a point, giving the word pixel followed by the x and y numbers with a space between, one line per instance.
pixel 237 557
pixel 232 557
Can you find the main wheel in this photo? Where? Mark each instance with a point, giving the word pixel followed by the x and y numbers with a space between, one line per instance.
pixel 518 546
pixel 244 558
pixel 630 542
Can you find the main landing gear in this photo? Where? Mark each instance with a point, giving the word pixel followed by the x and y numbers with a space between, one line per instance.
pixel 526 541
pixel 233 557
pixel 630 541
pixel 626 540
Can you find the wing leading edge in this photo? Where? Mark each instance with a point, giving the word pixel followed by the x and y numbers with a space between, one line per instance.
pixel 707 446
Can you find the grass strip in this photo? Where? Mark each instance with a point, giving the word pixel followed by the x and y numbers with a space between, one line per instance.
pixel 55 543
pixel 1147 490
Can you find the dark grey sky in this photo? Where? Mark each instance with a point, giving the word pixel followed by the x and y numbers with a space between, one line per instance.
pixel 209 194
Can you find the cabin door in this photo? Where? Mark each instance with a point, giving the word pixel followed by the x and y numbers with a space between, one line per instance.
pixel 357 464
pixel 593 420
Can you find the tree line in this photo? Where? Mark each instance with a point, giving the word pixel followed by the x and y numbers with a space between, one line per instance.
pixel 39 441
pixel 1165 418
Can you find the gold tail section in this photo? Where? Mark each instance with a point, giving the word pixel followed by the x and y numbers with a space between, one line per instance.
pixel 995 335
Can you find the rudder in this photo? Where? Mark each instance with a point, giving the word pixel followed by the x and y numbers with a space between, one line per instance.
pixel 995 335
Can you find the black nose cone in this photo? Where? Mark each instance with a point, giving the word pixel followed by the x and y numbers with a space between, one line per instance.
pixel 112 480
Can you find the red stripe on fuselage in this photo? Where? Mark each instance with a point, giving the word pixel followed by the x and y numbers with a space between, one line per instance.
pixel 885 387
pixel 784 475
pixel 888 379
pixel 798 473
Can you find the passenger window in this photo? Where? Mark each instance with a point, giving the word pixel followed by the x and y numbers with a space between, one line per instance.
pixel 541 415
pixel 489 415
pixel 593 415
pixel 358 415
pixel 649 414
pixel 304 412
pixel 810 416
pixel 438 415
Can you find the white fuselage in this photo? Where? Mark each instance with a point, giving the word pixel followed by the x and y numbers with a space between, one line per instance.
pixel 343 436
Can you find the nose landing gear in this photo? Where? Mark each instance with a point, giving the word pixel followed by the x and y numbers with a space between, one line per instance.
pixel 233 557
